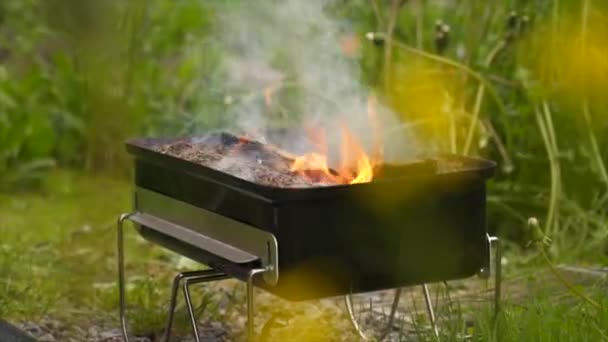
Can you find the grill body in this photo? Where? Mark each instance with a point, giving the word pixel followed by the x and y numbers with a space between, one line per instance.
pixel 407 229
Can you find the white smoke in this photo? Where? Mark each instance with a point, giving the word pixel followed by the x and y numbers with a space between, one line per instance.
pixel 294 47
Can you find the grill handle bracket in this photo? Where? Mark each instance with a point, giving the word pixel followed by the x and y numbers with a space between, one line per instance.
pixel 495 251
pixel 493 246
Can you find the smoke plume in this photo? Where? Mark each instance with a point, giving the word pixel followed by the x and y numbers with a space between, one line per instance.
pixel 286 68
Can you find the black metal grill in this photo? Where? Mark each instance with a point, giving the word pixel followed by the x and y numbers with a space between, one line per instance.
pixel 408 228
pixel 413 224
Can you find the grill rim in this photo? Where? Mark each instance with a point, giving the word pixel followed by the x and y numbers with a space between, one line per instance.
pixel 482 169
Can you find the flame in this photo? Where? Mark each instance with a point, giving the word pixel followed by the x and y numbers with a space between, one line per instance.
pixel 268 93
pixel 355 165
pixel 311 162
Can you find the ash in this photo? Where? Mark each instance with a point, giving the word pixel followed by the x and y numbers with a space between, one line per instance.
pixel 243 158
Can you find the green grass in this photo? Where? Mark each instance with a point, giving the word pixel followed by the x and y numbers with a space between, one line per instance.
pixel 545 318
pixel 57 249
pixel 57 243
pixel 548 319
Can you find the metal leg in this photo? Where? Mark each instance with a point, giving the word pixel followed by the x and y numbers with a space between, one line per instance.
pixel 355 324
pixel 172 304
pixel 191 310
pixel 189 278
pixel 391 317
pixel 250 300
pixel 495 248
pixel 497 277
pixel 429 308
pixel 348 301
pixel 121 274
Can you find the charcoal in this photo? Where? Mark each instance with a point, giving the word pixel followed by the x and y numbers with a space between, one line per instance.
pixel 268 165
pixel 244 158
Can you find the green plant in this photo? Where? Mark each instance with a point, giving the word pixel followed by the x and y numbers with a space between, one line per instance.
pixel 96 74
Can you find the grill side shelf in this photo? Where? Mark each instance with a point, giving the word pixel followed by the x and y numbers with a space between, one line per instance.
pixel 229 239
pixel 182 234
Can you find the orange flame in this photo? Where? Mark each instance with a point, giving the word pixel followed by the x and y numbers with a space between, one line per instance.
pixel 355 165
pixel 268 92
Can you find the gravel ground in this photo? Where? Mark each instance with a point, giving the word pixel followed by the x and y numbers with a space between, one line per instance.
pixel 276 320
pixel 50 330
pixel 320 320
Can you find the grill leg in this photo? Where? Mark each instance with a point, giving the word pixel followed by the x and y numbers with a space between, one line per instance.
pixel 429 306
pixel 348 301
pixel 497 276
pixel 430 310
pixel 495 250
pixel 189 278
pixel 172 304
pixel 250 300
pixel 121 273
pixel 191 310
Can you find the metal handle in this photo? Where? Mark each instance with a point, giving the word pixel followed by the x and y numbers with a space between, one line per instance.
pixel 205 229
pixel 494 248
pixel 486 271
pixel 188 278
pixel 196 239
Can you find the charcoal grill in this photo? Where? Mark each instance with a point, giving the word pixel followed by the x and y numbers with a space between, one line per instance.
pixel 414 224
